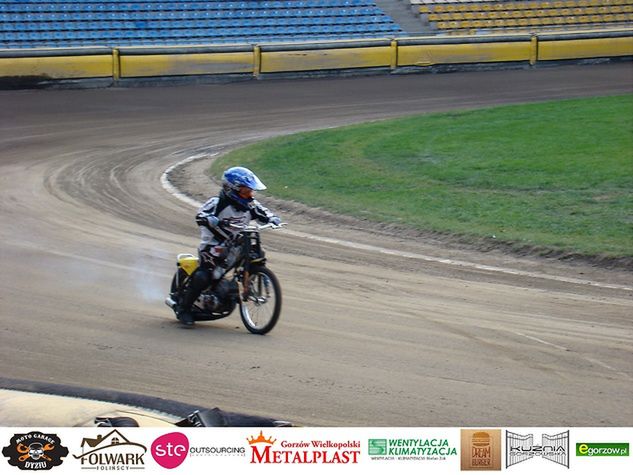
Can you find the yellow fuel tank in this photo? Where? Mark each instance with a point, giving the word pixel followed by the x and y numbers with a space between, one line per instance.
pixel 188 262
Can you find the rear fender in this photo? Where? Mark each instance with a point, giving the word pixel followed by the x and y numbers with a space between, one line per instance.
pixel 188 262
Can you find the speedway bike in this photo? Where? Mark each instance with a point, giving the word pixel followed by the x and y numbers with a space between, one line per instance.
pixel 243 280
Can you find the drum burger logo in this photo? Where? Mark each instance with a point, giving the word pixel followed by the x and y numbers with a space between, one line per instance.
pixel 264 451
pixel 35 451
pixel 481 449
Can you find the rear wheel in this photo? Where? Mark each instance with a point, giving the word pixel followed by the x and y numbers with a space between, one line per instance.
pixel 260 303
pixel 177 286
pixel 177 282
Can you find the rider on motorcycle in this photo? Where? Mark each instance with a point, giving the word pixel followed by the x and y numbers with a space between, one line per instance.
pixel 234 205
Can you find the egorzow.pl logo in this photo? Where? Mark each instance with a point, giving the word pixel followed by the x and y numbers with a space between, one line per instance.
pixel 602 449
pixel 35 451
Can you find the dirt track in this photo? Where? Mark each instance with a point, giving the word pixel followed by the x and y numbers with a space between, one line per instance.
pixel 366 338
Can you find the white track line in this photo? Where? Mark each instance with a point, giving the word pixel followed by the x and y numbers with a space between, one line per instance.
pixel 167 185
pixel 541 341
pixel 164 180
pixel 586 358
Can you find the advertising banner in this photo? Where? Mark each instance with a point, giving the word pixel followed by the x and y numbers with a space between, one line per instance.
pixel 431 450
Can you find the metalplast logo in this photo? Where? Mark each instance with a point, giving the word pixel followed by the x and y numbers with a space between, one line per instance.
pixel 170 450
pixel 267 450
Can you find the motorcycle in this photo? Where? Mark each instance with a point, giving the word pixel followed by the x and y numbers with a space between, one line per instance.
pixel 252 286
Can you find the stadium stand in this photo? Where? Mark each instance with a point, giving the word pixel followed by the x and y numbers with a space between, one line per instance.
pixel 71 23
pixel 505 16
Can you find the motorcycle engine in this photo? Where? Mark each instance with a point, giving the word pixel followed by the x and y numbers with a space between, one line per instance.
pixel 223 295
pixel 225 290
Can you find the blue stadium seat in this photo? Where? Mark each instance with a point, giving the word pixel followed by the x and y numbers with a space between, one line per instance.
pixel 64 22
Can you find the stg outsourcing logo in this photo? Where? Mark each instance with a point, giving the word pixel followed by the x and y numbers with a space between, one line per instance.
pixel 264 451
pixel 554 448
pixel 35 451
pixel 112 451
pixel 410 449
pixel 170 450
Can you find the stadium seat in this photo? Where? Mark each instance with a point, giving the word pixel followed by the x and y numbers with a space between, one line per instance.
pixel 535 15
pixel 111 22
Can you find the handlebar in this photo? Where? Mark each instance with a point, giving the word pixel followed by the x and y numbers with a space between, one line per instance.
pixel 256 227
pixel 271 226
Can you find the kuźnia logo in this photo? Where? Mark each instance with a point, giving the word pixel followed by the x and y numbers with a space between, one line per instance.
pixel 554 448
pixel 35 451
pixel 112 451
pixel 170 450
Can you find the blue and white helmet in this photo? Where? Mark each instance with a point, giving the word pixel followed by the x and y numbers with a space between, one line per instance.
pixel 236 177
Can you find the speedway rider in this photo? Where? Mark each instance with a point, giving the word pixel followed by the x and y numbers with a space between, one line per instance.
pixel 235 205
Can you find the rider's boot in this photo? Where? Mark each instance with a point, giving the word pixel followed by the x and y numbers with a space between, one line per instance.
pixel 199 281
pixel 183 309
pixel 185 317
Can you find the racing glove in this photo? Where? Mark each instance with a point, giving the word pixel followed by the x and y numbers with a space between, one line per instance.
pixel 208 221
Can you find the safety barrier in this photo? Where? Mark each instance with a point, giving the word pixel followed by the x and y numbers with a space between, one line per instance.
pixel 556 47
pixel 185 61
pixel 62 63
pixel 478 49
pixel 390 55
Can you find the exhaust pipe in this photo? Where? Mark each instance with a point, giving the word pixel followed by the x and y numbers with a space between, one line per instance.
pixel 171 303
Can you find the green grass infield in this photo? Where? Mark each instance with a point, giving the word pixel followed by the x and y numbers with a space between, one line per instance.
pixel 555 176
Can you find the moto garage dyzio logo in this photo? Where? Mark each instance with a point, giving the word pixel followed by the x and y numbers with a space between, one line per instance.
pixel 35 451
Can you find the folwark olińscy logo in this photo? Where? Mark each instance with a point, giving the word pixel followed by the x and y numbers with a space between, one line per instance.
pixel 35 451
pixel 264 451
pixel 481 449
pixel 112 451
pixel 602 449
pixel 170 450
pixel 520 448
pixel 433 448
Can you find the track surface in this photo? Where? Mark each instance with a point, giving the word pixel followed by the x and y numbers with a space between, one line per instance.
pixel 89 235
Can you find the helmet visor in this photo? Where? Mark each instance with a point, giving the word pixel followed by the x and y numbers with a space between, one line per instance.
pixel 255 183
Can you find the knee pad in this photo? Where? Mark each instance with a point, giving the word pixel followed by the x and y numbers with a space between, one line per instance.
pixel 200 279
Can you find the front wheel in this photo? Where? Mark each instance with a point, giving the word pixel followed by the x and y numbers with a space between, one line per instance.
pixel 260 303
